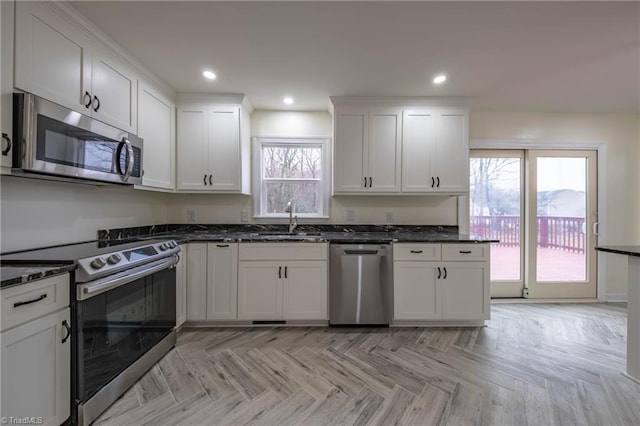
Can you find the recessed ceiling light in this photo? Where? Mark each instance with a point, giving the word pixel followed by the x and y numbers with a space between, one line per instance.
pixel 209 74
pixel 288 100
pixel 439 79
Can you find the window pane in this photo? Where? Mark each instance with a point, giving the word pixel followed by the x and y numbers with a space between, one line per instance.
pixel 562 208
pixel 495 212
pixel 305 196
pixel 292 162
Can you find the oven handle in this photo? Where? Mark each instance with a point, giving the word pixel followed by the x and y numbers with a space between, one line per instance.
pixel 88 290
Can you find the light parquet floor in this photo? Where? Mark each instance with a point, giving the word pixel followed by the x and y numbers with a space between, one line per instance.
pixel 533 364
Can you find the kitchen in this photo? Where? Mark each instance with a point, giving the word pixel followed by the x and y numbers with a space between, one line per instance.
pixel 583 110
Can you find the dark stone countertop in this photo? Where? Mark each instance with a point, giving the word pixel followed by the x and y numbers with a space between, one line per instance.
pixel 627 250
pixel 12 275
pixel 345 234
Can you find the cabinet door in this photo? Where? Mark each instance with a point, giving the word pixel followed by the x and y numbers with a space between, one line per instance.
pixel 305 290
pixel 465 291
pixel 36 370
pixel 52 58
pixel 193 154
pixel 417 144
pixel 181 288
pixel 222 281
pixel 384 150
pixel 197 282
pixel 7 10
pixel 350 151
pixel 260 290
pixel 113 87
pixel 416 295
pixel 450 162
pixel 156 126
pixel 224 148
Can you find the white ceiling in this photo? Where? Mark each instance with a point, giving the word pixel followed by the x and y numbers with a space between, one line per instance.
pixel 508 56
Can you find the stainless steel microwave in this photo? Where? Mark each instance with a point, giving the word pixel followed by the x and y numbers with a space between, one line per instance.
pixel 52 141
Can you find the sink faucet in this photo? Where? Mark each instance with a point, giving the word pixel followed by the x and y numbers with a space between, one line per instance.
pixel 293 221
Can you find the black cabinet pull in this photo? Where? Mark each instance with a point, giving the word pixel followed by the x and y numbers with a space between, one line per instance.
pixel 205 180
pixel 210 177
pixel 28 302
pixel 87 99
pixel 5 137
pixel 433 181
pixel 465 252
pixel 279 271
pixel 370 182
pixel 445 273
pixel 65 324
pixel 96 107
pixel 416 251
pixel 438 179
pixel 365 181
pixel 439 272
pixel 222 245
pixel 285 271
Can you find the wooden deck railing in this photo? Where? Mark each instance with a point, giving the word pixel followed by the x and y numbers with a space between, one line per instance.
pixel 560 233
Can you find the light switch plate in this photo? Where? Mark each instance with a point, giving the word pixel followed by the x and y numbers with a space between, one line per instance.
pixel 244 216
pixel 191 215
pixel 350 216
pixel 389 217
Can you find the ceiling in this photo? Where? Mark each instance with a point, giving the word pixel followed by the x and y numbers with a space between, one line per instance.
pixel 506 56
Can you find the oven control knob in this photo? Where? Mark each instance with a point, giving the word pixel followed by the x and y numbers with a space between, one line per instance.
pixel 113 259
pixel 97 263
pixel 164 246
pixel 172 244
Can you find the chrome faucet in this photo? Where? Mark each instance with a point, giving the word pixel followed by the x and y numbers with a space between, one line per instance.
pixel 293 221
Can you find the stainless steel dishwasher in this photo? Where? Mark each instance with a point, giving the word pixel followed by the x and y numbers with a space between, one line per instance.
pixel 360 284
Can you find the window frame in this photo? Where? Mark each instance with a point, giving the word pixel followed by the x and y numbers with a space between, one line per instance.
pixel 259 195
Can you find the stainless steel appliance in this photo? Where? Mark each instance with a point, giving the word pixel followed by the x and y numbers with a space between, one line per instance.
pixel 123 308
pixel 360 284
pixel 54 142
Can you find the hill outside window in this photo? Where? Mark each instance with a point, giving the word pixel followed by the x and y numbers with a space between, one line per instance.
pixel 291 169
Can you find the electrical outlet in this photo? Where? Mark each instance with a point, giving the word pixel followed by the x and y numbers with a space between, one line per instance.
pixel 389 217
pixel 244 216
pixel 191 215
pixel 350 216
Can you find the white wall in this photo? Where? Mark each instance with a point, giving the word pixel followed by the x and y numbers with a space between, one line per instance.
pixel 621 134
pixel 414 210
pixel 38 213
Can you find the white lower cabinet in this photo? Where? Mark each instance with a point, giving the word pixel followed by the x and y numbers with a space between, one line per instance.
pixel 212 281
pixel 35 353
pixel 449 283
pixel 272 286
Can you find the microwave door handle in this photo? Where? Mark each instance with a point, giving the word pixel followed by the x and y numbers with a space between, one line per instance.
pixel 116 159
pixel 130 158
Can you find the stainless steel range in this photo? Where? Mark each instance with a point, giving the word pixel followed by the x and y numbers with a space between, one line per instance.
pixel 123 315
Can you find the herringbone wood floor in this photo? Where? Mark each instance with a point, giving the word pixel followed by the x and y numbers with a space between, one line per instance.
pixel 533 364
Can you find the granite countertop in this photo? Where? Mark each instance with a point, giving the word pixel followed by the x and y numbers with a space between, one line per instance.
pixel 628 250
pixel 356 234
pixel 11 275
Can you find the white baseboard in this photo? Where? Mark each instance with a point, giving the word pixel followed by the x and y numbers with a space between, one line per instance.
pixel 616 297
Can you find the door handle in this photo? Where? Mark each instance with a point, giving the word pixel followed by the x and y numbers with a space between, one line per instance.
pixel 438 179
pixel 96 107
pixel 285 272
pixel 445 273
pixel 416 251
pixel 210 177
pixel 439 272
pixel 65 324
pixel 205 180
pixel 87 99
pixel 365 181
pixel 222 245
pixel 28 302
pixel 5 137
pixel 465 252
pixel 596 228
pixel 279 271
pixel 433 182
pixel 370 182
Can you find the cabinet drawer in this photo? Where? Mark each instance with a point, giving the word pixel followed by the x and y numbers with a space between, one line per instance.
pixel 455 252
pixel 46 296
pixel 416 252
pixel 283 251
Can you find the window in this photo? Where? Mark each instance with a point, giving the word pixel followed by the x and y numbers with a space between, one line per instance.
pixel 295 170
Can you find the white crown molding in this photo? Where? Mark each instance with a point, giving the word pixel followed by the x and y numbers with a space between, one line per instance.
pixel 403 100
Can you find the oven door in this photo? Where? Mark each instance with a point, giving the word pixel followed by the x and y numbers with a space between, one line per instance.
pixel 119 319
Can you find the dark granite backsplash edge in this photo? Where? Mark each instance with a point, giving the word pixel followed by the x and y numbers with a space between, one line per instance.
pixel 138 231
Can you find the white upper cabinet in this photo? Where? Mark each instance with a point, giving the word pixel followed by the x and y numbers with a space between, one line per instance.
pixel 54 59
pixel 7 9
pixel 367 150
pixel 435 150
pixel 156 126
pixel 211 140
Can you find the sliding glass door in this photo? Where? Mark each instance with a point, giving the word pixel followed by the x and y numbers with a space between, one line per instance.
pixel 541 205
